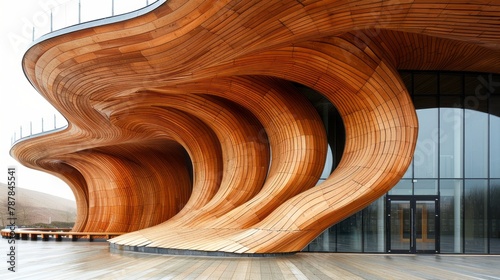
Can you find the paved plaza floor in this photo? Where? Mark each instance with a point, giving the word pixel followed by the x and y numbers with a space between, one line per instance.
pixel 94 260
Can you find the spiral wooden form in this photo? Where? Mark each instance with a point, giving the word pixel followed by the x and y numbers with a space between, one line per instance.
pixel 186 129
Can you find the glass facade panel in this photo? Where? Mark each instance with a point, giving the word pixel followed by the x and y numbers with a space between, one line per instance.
pixel 425 160
pixel 450 83
pixel 451 216
pixel 425 102
pixel 403 187
pixel 374 226
pixel 349 234
pixel 451 142
pixel 451 102
pixel 475 104
pixel 325 242
pixel 456 163
pixel 425 225
pixel 400 225
pixel 425 83
pixel 476 144
pixel 495 216
pixel 475 216
pixel 475 84
pixel 409 171
pixel 495 137
pixel 425 187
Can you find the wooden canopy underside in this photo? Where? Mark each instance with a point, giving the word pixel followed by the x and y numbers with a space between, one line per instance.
pixel 212 81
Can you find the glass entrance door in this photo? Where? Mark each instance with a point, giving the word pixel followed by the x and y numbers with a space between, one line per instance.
pixel 412 224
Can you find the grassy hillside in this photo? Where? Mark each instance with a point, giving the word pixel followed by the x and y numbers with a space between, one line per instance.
pixel 34 207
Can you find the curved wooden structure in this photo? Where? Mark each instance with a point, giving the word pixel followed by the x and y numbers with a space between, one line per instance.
pixel 212 81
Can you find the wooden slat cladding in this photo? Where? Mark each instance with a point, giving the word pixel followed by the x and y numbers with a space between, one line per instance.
pixel 212 81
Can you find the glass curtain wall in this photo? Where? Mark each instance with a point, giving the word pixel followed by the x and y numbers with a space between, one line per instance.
pixel 457 159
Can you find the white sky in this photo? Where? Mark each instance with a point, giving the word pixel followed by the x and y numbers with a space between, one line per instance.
pixel 20 102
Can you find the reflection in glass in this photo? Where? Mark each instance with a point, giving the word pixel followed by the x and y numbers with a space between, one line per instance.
pixel 425 102
pixel 473 84
pixel 325 242
pixel 450 83
pixel 451 142
pixel 451 102
pixel 425 225
pixel 374 226
pixel 495 216
pixel 425 187
pixel 475 215
pixel 451 216
pixel 400 225
pixel 425 83
pixel 495 137
pixel 349 234
pixel 425 159
pixel 403 187
pixel 476 144
pixel 475 104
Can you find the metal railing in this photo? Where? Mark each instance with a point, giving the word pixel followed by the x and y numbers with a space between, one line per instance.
pixel 37 129
pixel 58 14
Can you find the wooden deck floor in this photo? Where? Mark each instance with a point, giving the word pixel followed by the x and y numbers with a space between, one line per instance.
pixel 85 260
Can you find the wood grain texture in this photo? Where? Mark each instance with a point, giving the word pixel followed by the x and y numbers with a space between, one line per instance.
pixel 212 81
